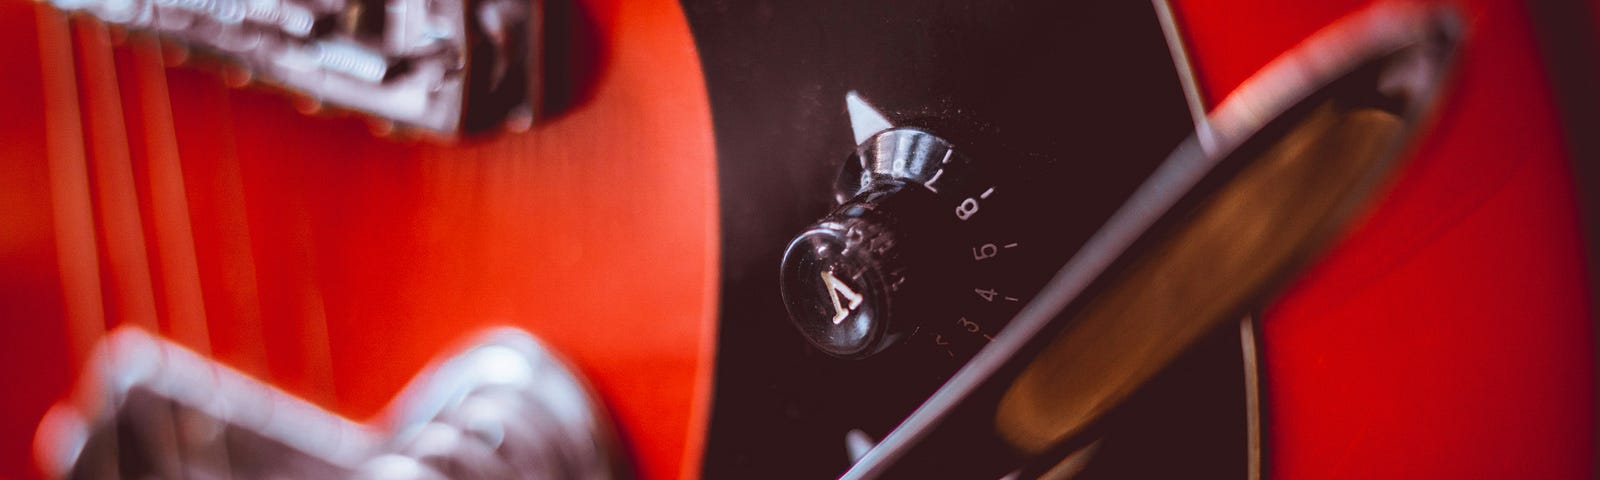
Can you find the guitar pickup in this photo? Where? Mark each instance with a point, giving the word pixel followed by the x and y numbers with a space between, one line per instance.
pixel 445 67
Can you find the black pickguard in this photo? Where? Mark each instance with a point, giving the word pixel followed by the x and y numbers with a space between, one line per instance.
pixel 1086 91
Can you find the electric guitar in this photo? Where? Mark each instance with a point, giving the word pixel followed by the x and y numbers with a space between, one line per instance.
pixel 808 239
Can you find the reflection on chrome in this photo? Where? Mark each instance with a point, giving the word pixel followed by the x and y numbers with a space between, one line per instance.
pixel 504 407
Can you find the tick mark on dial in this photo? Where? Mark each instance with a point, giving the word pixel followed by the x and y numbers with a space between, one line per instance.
pixel 986 193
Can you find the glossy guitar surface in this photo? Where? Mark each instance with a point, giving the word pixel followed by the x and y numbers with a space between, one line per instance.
pixel 1444 329
pixel 335 263
pixel 1420 346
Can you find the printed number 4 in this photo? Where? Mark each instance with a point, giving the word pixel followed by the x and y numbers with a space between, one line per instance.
pixel 987 295
pixel 835 289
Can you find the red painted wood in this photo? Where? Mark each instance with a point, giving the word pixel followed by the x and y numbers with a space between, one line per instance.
pixel 33 347
pixel 1449 335
pixel 335 264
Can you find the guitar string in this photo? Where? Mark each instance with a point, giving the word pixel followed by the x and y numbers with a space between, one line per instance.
pixel 77 182
pixel 236 255
pixel 72 208
pixel 115 186
pixel 298 284
pixel 77 255
pixel 175 241
pixel 169 209
pixel 238 288
pixel 127 250
pixel 290 206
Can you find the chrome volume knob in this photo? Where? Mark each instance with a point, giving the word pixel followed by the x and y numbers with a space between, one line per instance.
pixel 844 276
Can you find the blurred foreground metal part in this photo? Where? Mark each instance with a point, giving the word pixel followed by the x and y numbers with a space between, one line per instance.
pixel 503 408
pixel 442 66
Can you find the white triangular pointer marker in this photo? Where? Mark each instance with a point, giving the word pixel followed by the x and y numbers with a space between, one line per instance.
pixel 864 119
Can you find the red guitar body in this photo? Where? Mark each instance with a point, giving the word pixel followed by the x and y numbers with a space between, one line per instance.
pixel 334 263
pixel 1449 334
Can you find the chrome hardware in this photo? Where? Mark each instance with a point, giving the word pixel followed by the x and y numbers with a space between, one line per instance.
pixel 404 61
pixel 503 408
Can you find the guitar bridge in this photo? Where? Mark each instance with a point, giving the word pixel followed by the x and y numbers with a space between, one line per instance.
pixel 442 66
pixel 503 407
